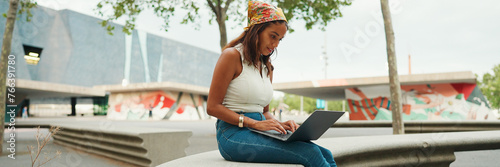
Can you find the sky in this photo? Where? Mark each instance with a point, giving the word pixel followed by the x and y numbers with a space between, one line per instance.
pixel 441 36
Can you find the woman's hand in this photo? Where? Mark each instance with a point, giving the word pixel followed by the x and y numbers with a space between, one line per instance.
pixel 271 124
pixel 290 125
pixel 274 124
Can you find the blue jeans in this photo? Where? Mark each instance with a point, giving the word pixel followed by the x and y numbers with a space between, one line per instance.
pixel 243 145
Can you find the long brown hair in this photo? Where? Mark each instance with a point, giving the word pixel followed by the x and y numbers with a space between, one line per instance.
pixel 249 39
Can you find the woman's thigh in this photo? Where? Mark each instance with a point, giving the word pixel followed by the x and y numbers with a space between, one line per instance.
pixel 247 146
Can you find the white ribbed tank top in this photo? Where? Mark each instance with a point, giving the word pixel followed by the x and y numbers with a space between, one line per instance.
pixel 249 92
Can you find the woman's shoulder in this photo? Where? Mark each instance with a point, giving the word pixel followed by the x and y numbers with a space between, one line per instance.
pixel 229 60
pixel 231 54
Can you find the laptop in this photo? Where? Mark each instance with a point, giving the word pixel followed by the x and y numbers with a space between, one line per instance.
pixel 312 128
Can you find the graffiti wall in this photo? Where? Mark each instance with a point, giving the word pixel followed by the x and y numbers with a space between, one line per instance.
pixel 156 105
pixel 420 102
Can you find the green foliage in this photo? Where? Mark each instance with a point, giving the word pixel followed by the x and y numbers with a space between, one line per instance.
pixel 318 12
pixel 335 105
pixel 313 12
pixel 131 9
pixel 274 104
pixel 490 86
pixel 293 102
pixel 25 6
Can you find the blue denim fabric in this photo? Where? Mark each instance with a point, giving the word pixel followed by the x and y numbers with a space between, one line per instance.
pixel 243 145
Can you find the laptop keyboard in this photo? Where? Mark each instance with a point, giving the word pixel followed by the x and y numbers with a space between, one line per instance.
pixel 275 134
pixel 280 135
pixel 285 135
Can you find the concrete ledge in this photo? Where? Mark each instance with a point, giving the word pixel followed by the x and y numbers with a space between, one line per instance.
pixel 26 124
pixel 436 149
pixel 431 149
pixel 428 126
pixel 410 126
pixel 138 146
pixel 153 86
pixel 39 89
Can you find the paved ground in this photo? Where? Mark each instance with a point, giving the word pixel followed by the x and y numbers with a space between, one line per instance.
pixel 203 140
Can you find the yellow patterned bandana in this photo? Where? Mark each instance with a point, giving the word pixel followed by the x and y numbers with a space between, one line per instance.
pixel 260 12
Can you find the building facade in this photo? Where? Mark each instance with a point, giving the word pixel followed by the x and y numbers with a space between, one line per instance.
pixel 67 47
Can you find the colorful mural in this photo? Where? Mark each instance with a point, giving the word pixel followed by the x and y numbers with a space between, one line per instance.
pixel 156 105
pixel 420 102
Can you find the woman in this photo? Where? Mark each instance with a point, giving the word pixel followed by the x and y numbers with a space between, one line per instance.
pixel 241 91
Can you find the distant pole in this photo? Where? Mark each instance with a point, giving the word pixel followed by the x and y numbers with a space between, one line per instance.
pixel 409 64
pixel 397 121
pixel 343 105
pixel 326 105
pixel 325 57
pixel 73 106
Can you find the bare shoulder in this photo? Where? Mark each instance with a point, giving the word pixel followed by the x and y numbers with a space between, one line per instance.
pixel 230 54
pixel 227 67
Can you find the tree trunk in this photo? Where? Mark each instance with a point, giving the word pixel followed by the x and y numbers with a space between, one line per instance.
pixel 7 42
pixel 222 29
pixel 397 121
pixel 221 15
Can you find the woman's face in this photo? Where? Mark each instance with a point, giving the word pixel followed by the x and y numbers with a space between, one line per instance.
pixel 270 37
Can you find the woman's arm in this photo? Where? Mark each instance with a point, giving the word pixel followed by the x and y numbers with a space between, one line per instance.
pixel 227 68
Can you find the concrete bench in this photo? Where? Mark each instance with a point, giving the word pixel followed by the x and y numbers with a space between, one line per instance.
pixel 213 158
pixel 427 126
pixel 142 146
pixel 430 149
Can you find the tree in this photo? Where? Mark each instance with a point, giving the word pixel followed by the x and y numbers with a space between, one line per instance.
pixel 335 105
pixel 397 121
pixel 490 86
pixel 312 12
pixel 293 102
pixel 26 5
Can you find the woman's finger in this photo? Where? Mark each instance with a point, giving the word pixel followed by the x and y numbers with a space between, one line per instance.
pixel 292 126
pixel 281 128
pixel 278 129
pixel 295 125
pixel 286 126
